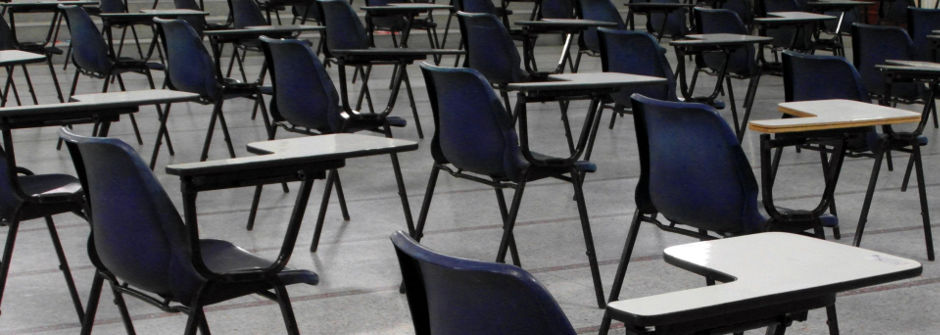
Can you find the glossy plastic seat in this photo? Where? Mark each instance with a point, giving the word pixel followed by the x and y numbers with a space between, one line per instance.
pixel 920 23
pixel 305 101
pixel 143 248
pixel 872 45
pixel 93 57
pixel 598 10
pixel 26 196
pixel 694 174
pixel 474 139
pixel 636 53
pixel 190 68
pixel 449 295
pixel 344 31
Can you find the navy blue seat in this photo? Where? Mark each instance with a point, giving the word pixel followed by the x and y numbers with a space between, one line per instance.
pixel 190 68
pixel 143 248
pixel 26 196
pixel 598 10
pixel 920 23
pixel 456 296
pixel 872 45
pixel 93 57
pixel 344 31
pixel 693 172
pixel 474 139
pixel 636 53
pixel 306 102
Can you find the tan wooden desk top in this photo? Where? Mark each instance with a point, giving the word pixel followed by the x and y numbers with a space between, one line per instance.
pixel 832 114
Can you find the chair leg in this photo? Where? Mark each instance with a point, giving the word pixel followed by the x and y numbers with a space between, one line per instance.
pixel 503 214
pixel 159 140
pixel 64 267
pixel 122 307
pixel 140 141
pixel 832 319
pixel 426 203
pixel 563 105
pixel 510 221
pixel 29 84
pixel 924 209
pixel 411 101
pixel 195 314
pixel 824 158
pixel 327 191
pixel 169 143
pixel 734 110
pixel 14 228
pixel 866 205
pixel 55 79
pixel 253 212
pixel 907 173
pixel 92 309
pixel 625 256
pixel 402 193
pixel 342 198
pixel 283 300
pixel 211 129
pixel 576 178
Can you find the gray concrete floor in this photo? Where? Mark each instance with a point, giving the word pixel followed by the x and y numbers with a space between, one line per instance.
pixel 359 273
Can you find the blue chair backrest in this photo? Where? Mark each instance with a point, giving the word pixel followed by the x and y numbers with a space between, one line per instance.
pixel 599 10
pixel 112 6
pixel 872 45
pixel 744 9
pixel 246 13
pixel 637 53
pixel 693 170
pixel 89 50
pixel 343 28
pixel 556 9
pixel 198 22
pixel 473 131
pixel 743 61
pixel 7 39
pixel 303 92
pixel 454 296
pixel 9 199
pixel 920 23
pixel 817 77
pixel 138 234
pixel 189 67
pixel 675 20
pixel 490 48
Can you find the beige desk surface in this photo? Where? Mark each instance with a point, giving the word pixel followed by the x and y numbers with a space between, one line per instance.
pixel 832 114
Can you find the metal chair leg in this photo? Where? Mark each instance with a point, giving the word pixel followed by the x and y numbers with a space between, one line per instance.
pixel 869 194
pixel 89 321
pixel 14 228
pixel 64 267
pixel 122 307
pixel 426 203
pixel 287 312
pixel 832 320
pixel 327 191
pixel 922 192
pixel 503 214
pixel 510 221
pixel 210 130
pixel 576 178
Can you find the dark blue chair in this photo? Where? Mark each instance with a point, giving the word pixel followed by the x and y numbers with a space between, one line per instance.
pixel 636 53
pixel 244 13
pixel 190 68
pixel 694 174
pixel 306 102
pixel 872 45
pixel 119 6
pixel 920 23
pixel 673 23
pixel 93 57
pixel 599 10
pixel 894 12
pixel 474 139
pixel 396 24
pixel 198 22
pixel 744 9
pixel 26 196
pixel 742 62
pixel 344 31
pixel 143 248
pixel 456 296
pixel 8 42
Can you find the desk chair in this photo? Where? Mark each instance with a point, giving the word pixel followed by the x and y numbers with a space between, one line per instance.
pixel 119 6
pixel 143 248
pixel 190 68
pixel 449 295
pixel 744 9
pixel 637 53
pixel 872 45
pixel 599 10
pixel 920 23
pixel 244 13
pixel 474 139
pixel 676 22
pixel 344 31
pixel 93 57
pixel 198 22
pixel 26 196
pixel 694 174
pixel 306 102
pixel 783 36
pixel 8 42
pixel 741 63
pixel 818 77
